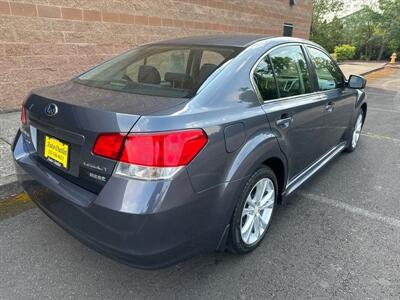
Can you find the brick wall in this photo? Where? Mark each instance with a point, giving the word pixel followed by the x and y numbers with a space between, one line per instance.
pixel 43 42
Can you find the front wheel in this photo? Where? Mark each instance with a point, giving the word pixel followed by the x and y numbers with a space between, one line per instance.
pixel 356 132
pixel 254 211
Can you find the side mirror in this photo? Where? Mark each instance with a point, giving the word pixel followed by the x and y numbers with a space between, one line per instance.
pixel 356 82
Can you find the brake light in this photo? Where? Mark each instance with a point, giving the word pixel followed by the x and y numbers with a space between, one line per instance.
pixel 152 155
pixel 23 115
pixel 109 145
pixel 164 149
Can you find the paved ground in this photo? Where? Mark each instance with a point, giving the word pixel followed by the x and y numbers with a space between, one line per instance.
pixel 8 128
pixel 360 67
pixel 338 237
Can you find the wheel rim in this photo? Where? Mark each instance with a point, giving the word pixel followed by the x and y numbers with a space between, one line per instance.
pixel 357 131
pixel 257 211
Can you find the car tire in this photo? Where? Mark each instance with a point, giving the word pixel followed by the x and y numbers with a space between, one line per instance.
pixel 355 132
pixel 254 205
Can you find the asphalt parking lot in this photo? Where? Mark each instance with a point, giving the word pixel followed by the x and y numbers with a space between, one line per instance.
pixel 337 237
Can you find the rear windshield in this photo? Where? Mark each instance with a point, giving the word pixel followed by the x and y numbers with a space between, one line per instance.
pixel 159 70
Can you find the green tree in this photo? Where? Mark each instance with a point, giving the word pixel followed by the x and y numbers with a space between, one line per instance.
pixel 389 24
pixel 375 34
pixel 324 32
pixel 360 30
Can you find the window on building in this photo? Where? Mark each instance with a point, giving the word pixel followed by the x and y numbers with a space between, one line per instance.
pixel 291 72
pixel 328 74
pixel 287 29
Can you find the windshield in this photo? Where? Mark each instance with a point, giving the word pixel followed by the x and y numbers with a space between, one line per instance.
pixel 159 70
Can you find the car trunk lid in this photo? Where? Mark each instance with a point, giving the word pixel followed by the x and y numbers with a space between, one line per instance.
pixel 64 141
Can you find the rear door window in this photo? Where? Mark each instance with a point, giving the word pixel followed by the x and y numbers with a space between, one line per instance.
pixel 328 74
pixel 264 78
pixel 291 71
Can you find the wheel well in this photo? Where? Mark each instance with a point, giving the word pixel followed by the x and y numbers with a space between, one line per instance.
pixel 277 166
pixel 364 108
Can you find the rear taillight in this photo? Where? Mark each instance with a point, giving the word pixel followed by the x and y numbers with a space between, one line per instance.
pixel 23 115
pixel 109 145
pixel 156 155
pixel 164 149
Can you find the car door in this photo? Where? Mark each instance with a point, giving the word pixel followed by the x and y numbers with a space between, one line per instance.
pixel 340 101
pixel 295 113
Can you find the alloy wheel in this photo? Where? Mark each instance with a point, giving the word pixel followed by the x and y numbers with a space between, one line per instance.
pixel 357 131
pixel 257 211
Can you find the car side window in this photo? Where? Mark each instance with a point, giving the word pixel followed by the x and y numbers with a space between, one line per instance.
pixel 265 80
pixel 291 72
pixel 328 75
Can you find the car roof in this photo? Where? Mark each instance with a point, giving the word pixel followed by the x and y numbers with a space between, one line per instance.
pixel 231 40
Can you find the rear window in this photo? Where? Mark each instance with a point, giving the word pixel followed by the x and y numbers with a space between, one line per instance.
pixel 159 70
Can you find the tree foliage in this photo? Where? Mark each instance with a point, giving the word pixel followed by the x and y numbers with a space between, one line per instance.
pixel 323 32
pixel 345 52
pixel 389 21
pixel 375 34
pixel 361 29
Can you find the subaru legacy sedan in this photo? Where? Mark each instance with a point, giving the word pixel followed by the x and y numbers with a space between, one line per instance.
pixel 185 146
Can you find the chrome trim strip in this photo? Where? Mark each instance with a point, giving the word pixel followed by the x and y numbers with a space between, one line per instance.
pixel 299 179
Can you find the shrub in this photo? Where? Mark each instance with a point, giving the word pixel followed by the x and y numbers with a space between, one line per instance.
pixel 345 52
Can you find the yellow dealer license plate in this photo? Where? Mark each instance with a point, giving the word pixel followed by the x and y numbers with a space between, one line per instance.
pixel 56 152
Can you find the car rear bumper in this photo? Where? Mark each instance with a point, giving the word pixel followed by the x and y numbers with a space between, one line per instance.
pixel 144 224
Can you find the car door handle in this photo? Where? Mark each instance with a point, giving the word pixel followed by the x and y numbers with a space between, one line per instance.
pixel 284 122
pixel 330 106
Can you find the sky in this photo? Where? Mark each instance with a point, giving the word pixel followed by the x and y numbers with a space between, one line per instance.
pixel 351 6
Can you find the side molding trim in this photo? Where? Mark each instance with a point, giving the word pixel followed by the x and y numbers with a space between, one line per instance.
pixel 299 179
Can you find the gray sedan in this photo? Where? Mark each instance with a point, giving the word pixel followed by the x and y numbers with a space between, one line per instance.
pixel 184 146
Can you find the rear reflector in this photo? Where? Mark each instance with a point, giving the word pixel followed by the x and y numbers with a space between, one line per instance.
pixel 23 115
pixel 154 155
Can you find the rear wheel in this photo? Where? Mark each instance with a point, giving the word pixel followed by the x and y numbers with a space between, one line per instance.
pixel 254 211
pixel 356 133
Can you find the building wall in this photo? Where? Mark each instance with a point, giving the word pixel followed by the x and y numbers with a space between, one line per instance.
pixel 43 42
